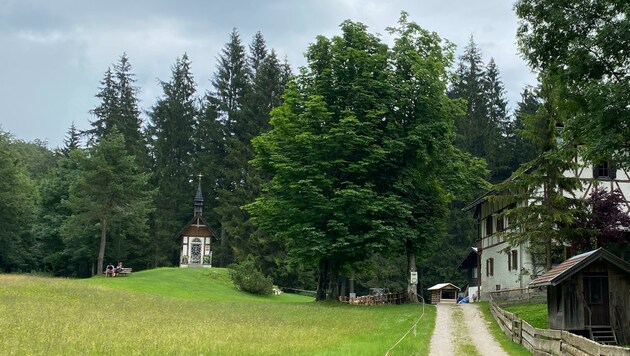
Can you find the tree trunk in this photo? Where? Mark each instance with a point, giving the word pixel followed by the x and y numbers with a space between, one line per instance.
pixel 412 289
pixel 322 281
pixel 352 283
pixel 334 282
pixel 101 250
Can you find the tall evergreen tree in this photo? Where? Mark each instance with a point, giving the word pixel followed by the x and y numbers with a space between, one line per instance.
pixel 112 194
pixel 545 206
pixel 172 124
pixel 119 107
pixel 72 141
pixel 18 201
pixel 469 85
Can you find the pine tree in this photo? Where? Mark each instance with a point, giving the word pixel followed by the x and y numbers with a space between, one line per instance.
pixel 119 107
pixel 173 119
pixel 469 85
pixel 18 201
pixel 546 206
pixel 257 52
pixel 72 141
pixel 496 141
pixel 112 194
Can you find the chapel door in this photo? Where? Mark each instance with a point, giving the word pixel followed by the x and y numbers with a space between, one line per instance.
pixel 195 252
pixel 596 297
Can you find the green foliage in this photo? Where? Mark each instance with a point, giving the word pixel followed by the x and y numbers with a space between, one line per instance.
pixel 248 278
pixel 543 213
pixel 361 150
pixel 584 42
pixel 171 131
pixel 18 202
pixel 110 195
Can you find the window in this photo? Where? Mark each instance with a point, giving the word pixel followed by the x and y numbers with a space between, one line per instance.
pixel 604 170
pixel 489 226
pixel 500 223
pixel 513 260
pixel 498 286
pixel 490 267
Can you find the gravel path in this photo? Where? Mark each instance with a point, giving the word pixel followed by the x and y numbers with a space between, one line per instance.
pixel 443 341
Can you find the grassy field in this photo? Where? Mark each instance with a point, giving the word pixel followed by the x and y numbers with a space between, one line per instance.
pixel 534 314
pixel 192 311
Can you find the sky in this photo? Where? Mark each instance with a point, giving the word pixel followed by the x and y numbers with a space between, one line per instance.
pixel 53 54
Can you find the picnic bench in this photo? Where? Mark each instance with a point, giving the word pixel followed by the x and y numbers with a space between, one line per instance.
pixel 125 271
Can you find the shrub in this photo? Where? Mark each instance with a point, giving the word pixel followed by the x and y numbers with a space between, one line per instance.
pixel 249 278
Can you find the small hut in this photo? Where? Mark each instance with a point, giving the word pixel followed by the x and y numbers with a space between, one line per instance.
pixel 444 293
pixel 589 295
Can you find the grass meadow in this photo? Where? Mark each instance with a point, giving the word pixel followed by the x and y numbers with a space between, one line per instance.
pixel 172 311
pixel 535 314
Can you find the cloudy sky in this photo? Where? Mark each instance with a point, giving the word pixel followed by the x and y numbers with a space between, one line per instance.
pixel 54 53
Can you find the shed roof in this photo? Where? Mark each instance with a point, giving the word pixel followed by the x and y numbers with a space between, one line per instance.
pixel 574 264
pixel 443 285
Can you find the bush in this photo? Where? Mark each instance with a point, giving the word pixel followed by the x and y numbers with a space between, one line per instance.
pixel 248 278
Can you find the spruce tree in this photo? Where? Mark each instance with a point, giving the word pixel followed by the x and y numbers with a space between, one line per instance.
pixel 112 194
pixel 172 122
pixel 495 138
pixel 18 202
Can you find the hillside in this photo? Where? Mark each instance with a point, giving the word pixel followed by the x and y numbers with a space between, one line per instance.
pixel 191 311
pixel 212 284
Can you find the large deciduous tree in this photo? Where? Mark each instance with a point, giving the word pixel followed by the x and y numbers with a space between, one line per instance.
pixel 358 151
pixel 586 43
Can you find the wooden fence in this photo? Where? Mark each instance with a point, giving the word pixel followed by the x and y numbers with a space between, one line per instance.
pixel 387 298
pixel 546 341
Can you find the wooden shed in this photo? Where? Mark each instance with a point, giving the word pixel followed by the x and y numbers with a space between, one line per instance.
pixel 444 293
pixel 589 295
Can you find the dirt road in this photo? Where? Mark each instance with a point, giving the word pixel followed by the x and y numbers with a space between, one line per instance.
pixel 460 329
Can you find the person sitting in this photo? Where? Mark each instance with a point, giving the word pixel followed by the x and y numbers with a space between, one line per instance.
pixel 109 270
pixel 119 269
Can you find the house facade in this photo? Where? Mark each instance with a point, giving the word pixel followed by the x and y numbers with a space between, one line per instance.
pixel 502 266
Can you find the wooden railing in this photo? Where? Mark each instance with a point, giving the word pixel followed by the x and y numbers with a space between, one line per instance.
pixel 519 296
pixel 387 298
pixel 547 341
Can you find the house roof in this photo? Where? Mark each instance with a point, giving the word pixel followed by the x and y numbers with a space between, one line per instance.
pixel 470 260
pixel 442 286
pixel 214 235
pixel 574 264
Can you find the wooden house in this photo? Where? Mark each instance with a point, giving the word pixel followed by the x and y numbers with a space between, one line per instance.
pixel 469 265
pixel 589 294
pixel 503 266
pixel 196 238
pixel 444 293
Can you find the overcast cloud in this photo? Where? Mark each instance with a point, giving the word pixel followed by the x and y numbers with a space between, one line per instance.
pixel 54 53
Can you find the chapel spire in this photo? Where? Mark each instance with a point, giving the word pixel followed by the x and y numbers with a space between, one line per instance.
pixel 198 201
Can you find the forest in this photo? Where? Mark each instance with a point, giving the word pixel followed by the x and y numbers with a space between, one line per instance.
pixel 355 166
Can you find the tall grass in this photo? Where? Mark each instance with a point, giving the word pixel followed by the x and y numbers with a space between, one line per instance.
pixel 179 311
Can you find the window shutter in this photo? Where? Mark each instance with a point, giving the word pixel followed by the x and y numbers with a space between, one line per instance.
pixel 612 170
pixel 509 261
pixel 595 171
